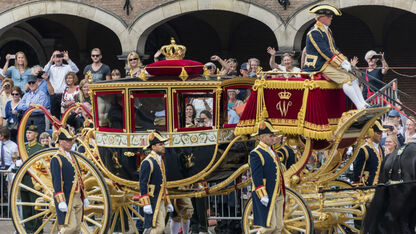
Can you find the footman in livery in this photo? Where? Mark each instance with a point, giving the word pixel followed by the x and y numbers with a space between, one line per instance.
pixel 69 194
pixel 153 191
pixel 268 199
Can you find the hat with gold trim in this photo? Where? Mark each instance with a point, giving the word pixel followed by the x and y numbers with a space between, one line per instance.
pixel 65 134
pixel 265 127
pixel 153 138
pixel 325 9
pixel 378 127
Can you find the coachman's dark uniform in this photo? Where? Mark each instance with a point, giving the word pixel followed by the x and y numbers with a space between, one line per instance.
pixel 152 187
pixel 367 164
pixel 267 178
pixel 66 180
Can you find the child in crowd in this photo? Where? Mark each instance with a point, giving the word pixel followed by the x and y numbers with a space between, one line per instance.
pixel 115 74
pixel 45 140
pixel 16 163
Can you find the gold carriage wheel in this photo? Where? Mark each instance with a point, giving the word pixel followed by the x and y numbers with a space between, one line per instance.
pixel 297 216
pixel 96 215
pixel 347 221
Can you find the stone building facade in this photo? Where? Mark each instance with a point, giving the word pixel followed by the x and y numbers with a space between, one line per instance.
pixel 229 28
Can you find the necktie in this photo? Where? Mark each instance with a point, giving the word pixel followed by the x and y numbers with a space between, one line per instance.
pixel 2 156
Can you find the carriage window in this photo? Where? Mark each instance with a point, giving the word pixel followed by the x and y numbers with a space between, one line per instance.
pixel 109 110
pixel 234 104
pixel 195 109
pixel 149 111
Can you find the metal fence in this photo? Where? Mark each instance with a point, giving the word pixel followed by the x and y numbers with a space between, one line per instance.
pixel 5 185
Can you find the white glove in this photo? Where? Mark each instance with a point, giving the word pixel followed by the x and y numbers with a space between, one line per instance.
pixel 170 208
pixel 147 209
pixel 346 65
pixel 264 200
pixel 63 207
pixel 86 202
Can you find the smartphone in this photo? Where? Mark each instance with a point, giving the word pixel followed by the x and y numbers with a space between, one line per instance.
pixel 200 120
pixel 60 55
pixel 13 56
pixel 377 56
pixel 390 127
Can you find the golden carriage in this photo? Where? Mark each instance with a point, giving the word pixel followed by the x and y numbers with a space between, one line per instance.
pixel 311 113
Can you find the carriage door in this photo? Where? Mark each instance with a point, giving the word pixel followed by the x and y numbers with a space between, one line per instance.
pixel 109 111
pixel 148 111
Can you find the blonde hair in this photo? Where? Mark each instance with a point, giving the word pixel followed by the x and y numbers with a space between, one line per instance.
pixel 394 139
pixel 369 55
pixel 286 55
pixel 115 72
pixel 81 93
pixel 8 80
pixel 96 49
pixel 44 135
pixel 24 58
pixel 135 55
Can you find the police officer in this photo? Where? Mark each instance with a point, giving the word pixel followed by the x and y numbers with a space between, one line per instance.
pixel 268 184
pixel 322 55
pixel 153 191
pixel 69 194
pixel 369 158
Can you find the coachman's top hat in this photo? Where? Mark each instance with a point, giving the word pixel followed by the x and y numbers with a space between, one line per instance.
pixel 265 127
pixel 153 138
pixel 325 9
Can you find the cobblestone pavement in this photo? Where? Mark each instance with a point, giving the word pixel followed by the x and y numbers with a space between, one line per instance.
pixel 7 227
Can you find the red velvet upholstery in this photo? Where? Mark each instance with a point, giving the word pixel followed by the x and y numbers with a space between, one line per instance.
pixel 174 67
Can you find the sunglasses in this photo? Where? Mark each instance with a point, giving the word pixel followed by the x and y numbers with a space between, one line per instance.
pixel 95 55
pixel 132 59
pixel 31 82
pixel 15 94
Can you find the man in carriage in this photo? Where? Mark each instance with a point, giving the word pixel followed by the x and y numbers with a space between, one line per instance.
pixel 268 184
pixel 154 198
pixel 322 55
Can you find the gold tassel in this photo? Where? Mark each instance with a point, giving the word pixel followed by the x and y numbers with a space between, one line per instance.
pixel 184 74
pixel 143 74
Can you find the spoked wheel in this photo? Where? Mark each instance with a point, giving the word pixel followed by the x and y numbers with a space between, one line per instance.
pixel 31 197
pixel 297 216
pixel 344 218
pixel 123 207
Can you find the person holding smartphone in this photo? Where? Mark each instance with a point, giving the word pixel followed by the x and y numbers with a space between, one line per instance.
pixel 57 70
pixel 374 72
pixel 20 71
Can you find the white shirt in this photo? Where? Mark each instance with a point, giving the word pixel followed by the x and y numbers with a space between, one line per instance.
pixel 376 146
pixel 57 75
pixel 9 148
pixel 68 154
pixel 159 158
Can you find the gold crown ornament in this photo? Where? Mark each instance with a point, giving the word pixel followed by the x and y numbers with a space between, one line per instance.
pixel 284 95
pixel 173 51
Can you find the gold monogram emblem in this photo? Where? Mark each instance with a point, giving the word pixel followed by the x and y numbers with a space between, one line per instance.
pixel 283 107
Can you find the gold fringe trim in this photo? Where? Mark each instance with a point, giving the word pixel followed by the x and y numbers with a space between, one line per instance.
pixel 298 85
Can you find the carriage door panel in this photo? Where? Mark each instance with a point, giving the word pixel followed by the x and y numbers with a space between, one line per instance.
pixel 148 111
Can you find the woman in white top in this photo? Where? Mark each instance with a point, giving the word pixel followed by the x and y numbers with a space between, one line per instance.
pixel 71 91
pixel 286 64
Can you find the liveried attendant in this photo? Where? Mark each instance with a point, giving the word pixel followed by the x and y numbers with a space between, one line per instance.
pixel 268 184
pixel 69 194
pixel 322 55
pixel 154 197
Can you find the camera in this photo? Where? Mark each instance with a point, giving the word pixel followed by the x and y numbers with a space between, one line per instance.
pixel 39 75
pixel 13 56
pixel 60 55
pixel 390 127
pixel 376 56
pixel 209 67
pixel 200 120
